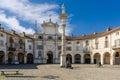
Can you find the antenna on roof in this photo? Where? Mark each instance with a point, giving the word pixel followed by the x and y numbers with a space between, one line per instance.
pixel 35 26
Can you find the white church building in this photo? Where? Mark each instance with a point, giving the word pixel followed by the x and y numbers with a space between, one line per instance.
pixel 46 47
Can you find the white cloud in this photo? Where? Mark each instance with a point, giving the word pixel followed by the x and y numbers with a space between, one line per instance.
pixel 29 12
pixel 13 23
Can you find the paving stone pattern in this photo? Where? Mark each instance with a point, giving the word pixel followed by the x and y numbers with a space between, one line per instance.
pixel 54 72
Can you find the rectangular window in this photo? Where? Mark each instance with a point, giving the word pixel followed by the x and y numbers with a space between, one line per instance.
pixel 59 47
pixel 77 48
pixel 117 42
pixel 1 35
pixel 106 44
pixel 96 45
pixel 68 48
pixel 30 47
pixel 39 47
pixel 1 43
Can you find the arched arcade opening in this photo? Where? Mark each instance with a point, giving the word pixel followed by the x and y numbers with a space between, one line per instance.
pixel 87 59
pixel 96 58
pixel 21 58
pixel 77 58
pixel 69 58
pixel 2 57
pixel 29 58
pixel 107 58
pixel 49 57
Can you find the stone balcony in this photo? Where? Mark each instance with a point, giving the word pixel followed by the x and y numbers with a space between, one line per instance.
pixel 116 47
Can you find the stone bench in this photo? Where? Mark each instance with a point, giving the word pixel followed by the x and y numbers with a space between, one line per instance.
pixel 9 70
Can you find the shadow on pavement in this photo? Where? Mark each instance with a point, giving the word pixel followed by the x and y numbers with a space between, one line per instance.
pixel 20 66
pixel 17 76
pixel 50 77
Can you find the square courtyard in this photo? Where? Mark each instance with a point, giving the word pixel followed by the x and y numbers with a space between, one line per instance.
pixel 54 72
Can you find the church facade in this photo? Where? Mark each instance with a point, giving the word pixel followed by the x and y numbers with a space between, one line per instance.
pixel 45 46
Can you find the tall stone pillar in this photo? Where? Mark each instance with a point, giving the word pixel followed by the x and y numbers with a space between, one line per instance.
pixel 63 17
pixel 102 59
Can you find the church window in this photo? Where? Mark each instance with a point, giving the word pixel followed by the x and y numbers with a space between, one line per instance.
pixel 68 48
pixel 30 47
pixel 39 47
pixel 87 42
pixel 40 37
pixel 59 47
pixel 39 53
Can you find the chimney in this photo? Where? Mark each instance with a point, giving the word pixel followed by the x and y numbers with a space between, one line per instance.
pixel 13 32
pixel 23 33
pixel 108 29
pixel 95 33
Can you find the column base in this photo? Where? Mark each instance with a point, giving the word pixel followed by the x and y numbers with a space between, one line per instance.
pixel 63 61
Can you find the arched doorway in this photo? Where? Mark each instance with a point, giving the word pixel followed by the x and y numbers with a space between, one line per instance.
pixel 77 58
pixel 2 57
pixel 107 58
pixel 50 57
pixel 29 58
pixel 69 58
pixel 117 58
pixel 96 58
pixel 21 58
pixel 10 57
pixel 87 59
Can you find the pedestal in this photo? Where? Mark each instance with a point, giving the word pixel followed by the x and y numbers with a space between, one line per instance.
pixel 62 60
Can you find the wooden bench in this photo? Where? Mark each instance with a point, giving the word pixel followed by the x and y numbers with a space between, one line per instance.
pixel 9 70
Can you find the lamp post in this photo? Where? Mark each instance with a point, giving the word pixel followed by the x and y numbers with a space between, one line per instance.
pixel 63 18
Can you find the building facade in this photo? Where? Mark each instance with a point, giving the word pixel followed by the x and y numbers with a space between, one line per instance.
pixel 45 46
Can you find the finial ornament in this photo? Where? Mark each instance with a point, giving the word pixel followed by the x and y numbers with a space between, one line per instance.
pixel 63 9
pixel 50 17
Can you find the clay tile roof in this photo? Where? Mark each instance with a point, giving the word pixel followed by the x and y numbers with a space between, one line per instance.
pixel 92 35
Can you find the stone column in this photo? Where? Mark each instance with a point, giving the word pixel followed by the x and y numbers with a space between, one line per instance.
pixel 63 18
pixel 25 59
pixel 92 58
pixel 102 57
pixel 82 59
pixel 6 57
pixel 111 59
pixel 73 59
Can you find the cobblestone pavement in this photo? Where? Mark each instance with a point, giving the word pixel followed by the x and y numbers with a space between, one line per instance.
pixel 54 72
